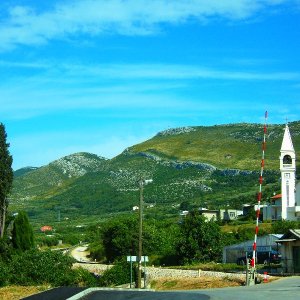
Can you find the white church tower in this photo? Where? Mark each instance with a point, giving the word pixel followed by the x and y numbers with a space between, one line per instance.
pixel 288 177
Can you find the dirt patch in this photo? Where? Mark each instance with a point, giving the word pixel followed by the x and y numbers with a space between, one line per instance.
pixel 194 283
pixel 18 292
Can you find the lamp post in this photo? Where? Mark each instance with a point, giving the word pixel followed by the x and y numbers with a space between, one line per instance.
pixel 142 183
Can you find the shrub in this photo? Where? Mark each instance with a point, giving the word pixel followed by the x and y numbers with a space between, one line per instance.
pixel 4 273
pixel 117 275
pixel 36 267
pixel 5 249
pixel 84 278
pixel 47 241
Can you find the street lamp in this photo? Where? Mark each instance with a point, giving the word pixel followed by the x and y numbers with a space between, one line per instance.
pixel 142 183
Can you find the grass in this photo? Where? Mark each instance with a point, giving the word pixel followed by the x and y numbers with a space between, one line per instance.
pixel 212 266
pixel 266 226
pixel 18 292
pixel 194 283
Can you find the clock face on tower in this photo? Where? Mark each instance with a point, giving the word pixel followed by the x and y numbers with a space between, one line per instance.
pixel 287 175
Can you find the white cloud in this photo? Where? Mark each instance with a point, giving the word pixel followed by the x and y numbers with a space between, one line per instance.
pixel 69 73
pixel 114 86
pixel 27 26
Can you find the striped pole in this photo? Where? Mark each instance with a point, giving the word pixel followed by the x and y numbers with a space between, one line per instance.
pixel 259 196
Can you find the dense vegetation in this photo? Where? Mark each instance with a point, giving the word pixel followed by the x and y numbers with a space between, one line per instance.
pixel 34 267
pixel 21 263
pixel 192 240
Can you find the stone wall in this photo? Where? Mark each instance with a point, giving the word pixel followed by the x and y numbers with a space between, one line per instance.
pixel 154 272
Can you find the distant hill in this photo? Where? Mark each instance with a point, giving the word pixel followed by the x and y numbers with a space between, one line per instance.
pixel 23 171
pixel 211 166
pixel 44 181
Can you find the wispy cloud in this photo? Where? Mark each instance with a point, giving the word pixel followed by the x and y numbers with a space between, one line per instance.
pixel 24 25
pixel 70 72
pixel 112 86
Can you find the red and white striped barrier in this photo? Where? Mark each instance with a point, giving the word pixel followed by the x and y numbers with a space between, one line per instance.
pixel 259 196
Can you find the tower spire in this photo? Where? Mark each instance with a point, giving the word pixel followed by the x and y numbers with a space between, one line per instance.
pixel 288 176
pixel 287 144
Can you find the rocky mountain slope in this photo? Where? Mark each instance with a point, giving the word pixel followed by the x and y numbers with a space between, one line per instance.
pixel 204 166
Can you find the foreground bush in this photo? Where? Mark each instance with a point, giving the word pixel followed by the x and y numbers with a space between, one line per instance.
pixel 36 267
pixel 4 273
pixel 117 275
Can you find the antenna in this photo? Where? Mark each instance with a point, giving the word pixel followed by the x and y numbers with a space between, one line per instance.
pixel 259 196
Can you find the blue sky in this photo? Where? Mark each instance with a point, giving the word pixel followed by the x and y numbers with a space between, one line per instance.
pixel 99 76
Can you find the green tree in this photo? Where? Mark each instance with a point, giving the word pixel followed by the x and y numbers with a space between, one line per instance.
pixel 120 238
pixel 6 177
pixel 22 233
pixel 200 240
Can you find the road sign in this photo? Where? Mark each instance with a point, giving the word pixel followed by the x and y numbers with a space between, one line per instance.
pixel 135 259
pixel 131 258
pixel 145 259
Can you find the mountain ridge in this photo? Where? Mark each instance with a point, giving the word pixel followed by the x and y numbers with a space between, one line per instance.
pixel 200 165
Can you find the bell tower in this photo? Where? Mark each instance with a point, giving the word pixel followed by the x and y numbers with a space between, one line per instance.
pixel 288 176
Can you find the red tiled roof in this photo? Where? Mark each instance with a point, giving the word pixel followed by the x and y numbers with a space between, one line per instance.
pixel 278 196
pixel 46 228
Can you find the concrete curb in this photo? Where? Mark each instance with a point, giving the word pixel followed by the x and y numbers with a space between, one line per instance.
pixel 90 290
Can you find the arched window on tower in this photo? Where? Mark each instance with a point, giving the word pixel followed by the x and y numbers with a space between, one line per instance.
pixel 287 160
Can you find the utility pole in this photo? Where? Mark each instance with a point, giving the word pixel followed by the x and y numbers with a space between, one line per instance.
pixel 142 182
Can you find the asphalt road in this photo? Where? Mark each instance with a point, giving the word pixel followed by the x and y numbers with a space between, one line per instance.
pixel 287 288
pixel 147 295
pixel 283 289
pixel 60 293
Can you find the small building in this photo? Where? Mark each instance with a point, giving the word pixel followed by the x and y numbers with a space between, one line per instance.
pixel 209 214
pixel 264 243
pixel 249 209
pixel 272 211
pixel 46 228
pixel 230 214
pixel 290 250
pixel 221 214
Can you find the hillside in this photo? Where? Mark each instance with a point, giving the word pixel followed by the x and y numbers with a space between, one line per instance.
pixel 233 146
pixel 58 175
pixel 203 166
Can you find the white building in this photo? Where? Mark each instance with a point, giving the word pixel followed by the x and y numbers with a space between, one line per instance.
pixel 221 214
pixel 287 205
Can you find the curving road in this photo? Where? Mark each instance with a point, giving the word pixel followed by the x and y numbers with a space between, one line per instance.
pixel 80 253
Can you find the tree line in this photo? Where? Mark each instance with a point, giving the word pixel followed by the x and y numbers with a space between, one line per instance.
pixel 20 261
